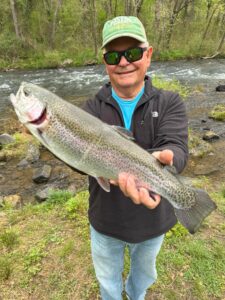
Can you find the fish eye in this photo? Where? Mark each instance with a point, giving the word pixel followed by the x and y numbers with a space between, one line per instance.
pixel 26 92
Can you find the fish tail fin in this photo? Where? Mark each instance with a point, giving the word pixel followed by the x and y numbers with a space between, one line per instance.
pixel 192 217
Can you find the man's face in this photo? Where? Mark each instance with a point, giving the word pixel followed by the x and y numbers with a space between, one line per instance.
pixel 127 75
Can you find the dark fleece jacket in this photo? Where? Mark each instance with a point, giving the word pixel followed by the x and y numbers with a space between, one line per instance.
pixel 159 122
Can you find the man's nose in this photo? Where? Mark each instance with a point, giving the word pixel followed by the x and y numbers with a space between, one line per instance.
pixel 123 61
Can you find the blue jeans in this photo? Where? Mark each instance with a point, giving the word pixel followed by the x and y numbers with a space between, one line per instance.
pixel 108 260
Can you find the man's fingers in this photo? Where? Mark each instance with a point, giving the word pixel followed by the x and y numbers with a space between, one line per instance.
pixel 122 182
pixel 164 156
pixel 128 186
pixel 114 182
pixel 147 200
pixel 132 190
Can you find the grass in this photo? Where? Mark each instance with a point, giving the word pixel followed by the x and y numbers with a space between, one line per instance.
pixel 218 113
pixel 20 146
pixel 172 85
pixel 46 252
pixel 197 147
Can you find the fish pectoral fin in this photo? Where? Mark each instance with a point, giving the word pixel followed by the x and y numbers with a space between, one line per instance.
pixel 124 132
pixel 104 183
pixel 192 217
pixel 171 169
pixel 39 134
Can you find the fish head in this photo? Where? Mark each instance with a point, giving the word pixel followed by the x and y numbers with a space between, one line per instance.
pixel 30 104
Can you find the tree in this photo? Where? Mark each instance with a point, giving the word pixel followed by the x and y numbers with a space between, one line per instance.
pixel 58 4
pixel 15 20
pixel 132 7
pixel 210 18
pixel 179 5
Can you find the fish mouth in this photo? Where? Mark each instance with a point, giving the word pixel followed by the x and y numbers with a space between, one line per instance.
pixel 41 119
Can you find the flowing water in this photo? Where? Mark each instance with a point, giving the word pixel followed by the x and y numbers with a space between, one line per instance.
pixel 75 84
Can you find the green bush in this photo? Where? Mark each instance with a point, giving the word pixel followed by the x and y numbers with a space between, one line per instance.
pixel 218 112
pixel 5 268
pixel 9 239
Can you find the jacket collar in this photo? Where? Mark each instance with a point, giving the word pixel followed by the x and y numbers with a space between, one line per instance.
pixel 105 93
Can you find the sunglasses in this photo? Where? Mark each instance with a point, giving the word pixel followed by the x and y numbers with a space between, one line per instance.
pixel 131 55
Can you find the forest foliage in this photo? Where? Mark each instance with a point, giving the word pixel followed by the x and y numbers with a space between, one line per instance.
pixel 53 31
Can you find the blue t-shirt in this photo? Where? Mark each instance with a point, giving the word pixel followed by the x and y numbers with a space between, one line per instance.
pixel 127 106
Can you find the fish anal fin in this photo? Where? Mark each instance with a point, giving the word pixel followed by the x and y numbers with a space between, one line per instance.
pixel 192 217
pixel 104 183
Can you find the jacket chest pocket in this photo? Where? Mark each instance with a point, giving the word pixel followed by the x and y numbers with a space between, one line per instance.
pixel 144 132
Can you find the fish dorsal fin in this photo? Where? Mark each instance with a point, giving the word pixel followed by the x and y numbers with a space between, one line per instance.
pixel 124 132
pixel 181 179
pixel 104 183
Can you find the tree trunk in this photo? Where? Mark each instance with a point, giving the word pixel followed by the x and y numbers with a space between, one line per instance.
pixel 221 42
pixel 128 8
pixel 207 27
pixel 157 22
pixel 15 19
pixel 115 9
pixel 172 22
pixel 137 7
pixel 55 15
pixel 178 7
pixel 94 27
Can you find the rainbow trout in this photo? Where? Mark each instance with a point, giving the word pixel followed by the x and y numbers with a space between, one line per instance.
pixel 86 143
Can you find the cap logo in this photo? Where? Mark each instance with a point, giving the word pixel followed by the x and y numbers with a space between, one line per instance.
pixel 122 26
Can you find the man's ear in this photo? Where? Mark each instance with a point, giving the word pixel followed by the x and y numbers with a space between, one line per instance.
pixel 150 50
pixel 149 55
pixel 103 60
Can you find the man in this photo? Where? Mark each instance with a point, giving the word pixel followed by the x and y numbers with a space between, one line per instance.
pixel 128 216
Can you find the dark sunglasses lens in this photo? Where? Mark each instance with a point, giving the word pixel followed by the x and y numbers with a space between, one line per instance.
pixel 134 54
pixel 112 58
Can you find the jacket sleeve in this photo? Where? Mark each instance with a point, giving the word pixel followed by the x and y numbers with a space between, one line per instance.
pixel 172 128
pixel 90 106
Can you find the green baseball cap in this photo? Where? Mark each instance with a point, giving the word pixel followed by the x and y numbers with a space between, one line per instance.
pixel 123 26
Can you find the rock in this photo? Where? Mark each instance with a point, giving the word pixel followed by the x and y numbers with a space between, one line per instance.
pixel 3 157
pixel 204 170
pixel 13 201
pixel 1 201
pixel 210 136
pixel 43 194
pixel 6 139
pixel 33 153
pixel 72 189
pixel 200 148
pixel 2 178
pixel 220 88
pixel 42 174
pixel 23 164
pixel 203 120
pixel 59 177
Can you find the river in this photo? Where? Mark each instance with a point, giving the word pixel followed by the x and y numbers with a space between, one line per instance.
pixel 77 84
pixel 72 83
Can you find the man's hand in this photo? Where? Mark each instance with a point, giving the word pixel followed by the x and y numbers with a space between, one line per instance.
pixel 127 183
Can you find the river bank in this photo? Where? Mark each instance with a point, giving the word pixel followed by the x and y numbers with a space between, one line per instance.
pixel 55 60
